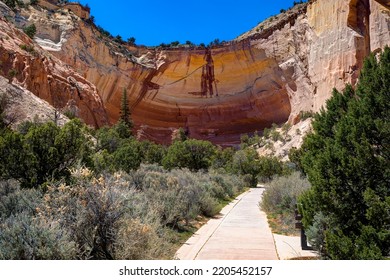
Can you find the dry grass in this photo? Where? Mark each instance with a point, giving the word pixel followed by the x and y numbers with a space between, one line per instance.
pixel 279 201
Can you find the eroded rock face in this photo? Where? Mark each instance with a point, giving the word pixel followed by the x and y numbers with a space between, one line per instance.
pixel 202 91
pixel 214 94
pixel 268 75
pixel 22 105
pixel 340 42
pixel 27 65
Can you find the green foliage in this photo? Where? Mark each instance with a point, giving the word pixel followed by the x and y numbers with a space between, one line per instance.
pixel 182 195
pixel 279 200
pixel 248 162
pixel 131 41
pixel 117 150
pixel 123 129
pixel 53 149
pixel 295 156
pixel 180 135
pixel 275 135
pixel 11 3
pixel 304 115
pixel 244 139
pixel 269 167
pixel 43 153
pixel 16 159
pixel 125 115
pixel 152 153
pixel 25 238
pixel 108 139
pixel 15 200
pixel 27 48
pixel 30 30
pixel 3 107
pixel 282 193
pixel 266 133
pixel 118 39
pixel 245 162
pixel 347 162
pixel 193 154
pixel 317 231
pixel 121 216
pixel 104 32
pixel 223 159
pixel 12 73
pixel 127 157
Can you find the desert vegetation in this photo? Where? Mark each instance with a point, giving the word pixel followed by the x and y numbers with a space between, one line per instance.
pixel 346 211
pixel 345 200
pixel 113 216
pixel 73 192
pixel 346 158
pixel 280 199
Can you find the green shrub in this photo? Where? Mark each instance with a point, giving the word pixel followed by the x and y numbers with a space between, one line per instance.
pixel 14 200
pixel 209 205
pixel 282 193
pixel 109 216
pixel 192 154
pixel 244 162
pixel 222 159
pixel 127 157
pixel 44 152
pixel 316 233
pixel 107 139
pixel 152 153
pixel 23 237
pixel 12 73
pixel 268 167
pixel 304 115
pixel 346 158
pixel 16 160
pixel 280 199
pixel 11 3
pixel 27 48
pixel 30 30
pixel 266 133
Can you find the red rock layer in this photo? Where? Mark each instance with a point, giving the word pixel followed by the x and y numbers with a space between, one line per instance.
pixel 215 95
pixel 26 64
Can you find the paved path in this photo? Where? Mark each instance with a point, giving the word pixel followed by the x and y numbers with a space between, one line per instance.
pixel 289 247
pixel 241 232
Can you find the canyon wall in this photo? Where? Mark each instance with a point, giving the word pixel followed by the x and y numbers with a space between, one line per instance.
pixel 25 64
pixel 285 65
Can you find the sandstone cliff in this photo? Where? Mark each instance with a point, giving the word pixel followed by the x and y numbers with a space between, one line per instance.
pixel 286 65
pixel 22 105
pixel 25 64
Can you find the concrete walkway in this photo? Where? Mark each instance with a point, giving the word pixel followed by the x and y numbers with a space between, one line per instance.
pixel 240 232
pixel 289 247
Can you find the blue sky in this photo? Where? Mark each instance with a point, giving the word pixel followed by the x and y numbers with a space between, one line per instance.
pixel 153 22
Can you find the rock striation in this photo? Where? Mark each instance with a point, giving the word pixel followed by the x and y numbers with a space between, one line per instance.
pixel 285 65
pixel 25 64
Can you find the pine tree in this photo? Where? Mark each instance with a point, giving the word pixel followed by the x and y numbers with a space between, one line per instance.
pixel 125 121
pixel 347 160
